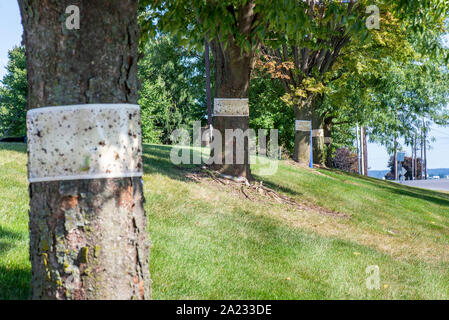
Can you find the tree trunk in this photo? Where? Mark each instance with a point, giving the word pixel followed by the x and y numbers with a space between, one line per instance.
pixel 208 90
pixel 328 126
pixel 365 151
pixel 306 110
pixel 395 155
pixel 87 237
pixel 233 69
pixel 318 141
pixel 425 150
pixel 302 148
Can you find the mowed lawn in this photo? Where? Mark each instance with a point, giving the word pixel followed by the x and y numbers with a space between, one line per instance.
pixel 210 242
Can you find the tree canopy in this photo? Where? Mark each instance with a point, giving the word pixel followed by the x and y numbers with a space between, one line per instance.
pixel 173 88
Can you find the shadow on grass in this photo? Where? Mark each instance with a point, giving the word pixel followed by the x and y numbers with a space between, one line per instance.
pixel 14 283
pixel 278 187
pixel 156 160
pixel 7 238
pixel 13 146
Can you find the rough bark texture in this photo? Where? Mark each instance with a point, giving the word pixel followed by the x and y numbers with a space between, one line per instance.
pixel 208 89
pixel 318 147
pixel 328 126
pixel 232 71
pixel 365 151
pixel 307 111
pixel 87 237
pixel 301 151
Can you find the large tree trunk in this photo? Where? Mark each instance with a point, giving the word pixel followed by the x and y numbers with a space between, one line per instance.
pixel 87 237
pixel 233 69
pixel 302 149
pixel 306 110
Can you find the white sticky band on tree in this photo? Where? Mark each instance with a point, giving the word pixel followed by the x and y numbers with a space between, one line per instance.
pixel 227 107
pixel 303 125
pixel 91 141
pixel 318 133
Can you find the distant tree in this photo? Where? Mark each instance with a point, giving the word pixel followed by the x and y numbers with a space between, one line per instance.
pixel 13 95
pixel 236 30
pixel 405 95
pixel 303 62
pixel 334 47
pixel 268 111
pixel 173 91
pixel 345 160
pixel 407 165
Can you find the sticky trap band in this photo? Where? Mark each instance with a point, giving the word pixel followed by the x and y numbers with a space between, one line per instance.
pixel 231 107
pixel 303 125
pixel 318 133
pixel 91 141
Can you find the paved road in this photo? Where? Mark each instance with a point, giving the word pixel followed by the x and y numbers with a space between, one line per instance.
pixel 442 185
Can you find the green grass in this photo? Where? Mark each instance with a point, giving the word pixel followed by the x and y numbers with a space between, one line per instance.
pixel 211 243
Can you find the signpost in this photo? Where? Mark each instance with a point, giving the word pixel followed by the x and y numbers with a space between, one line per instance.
pixel 400 158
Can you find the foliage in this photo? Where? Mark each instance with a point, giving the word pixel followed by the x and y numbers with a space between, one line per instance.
pixel 172 91
pixel 345 160
pixel 407 165
pixel 387 84
pixel 403 97
pixel 346 64
pixel 268 111
pixel 302 60
pixel 13 95
pixel 173 88
pixel 222 20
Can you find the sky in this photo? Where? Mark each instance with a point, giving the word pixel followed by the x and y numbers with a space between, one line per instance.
pixel 10 30
pixel 11 35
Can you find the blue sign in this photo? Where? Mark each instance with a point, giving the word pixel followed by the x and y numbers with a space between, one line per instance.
pixel 400 156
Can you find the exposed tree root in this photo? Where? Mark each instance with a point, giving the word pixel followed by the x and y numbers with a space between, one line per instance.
pixel 256 191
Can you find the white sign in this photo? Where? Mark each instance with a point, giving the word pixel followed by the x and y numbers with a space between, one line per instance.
pixel 231 107
pixel 89 141
pixel 318 133
pixel 303 125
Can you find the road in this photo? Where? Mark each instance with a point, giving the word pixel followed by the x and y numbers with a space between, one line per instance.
pixel 441 185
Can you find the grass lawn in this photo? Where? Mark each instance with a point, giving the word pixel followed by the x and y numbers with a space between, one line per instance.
pixel 212 243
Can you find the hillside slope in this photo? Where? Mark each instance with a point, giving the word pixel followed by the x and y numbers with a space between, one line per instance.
pixel 211 241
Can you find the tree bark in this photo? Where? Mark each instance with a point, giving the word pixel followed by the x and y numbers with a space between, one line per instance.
pixel 425 150
pixel 87 237
pixel 208 90
pixel 233 68
pixel 365 151
pixel 306 110
pixel 328 126
pixel 302 148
